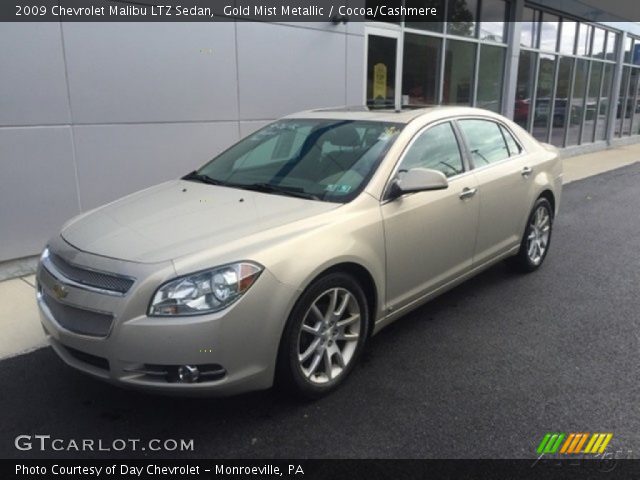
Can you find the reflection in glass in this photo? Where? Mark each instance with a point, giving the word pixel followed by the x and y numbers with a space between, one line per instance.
pixel 584 39
pixel 598 42
pixel 562 99
pixel 462 17
pixel 381 71
pixel 524 87
pixel 543 97
pixel 420 69
pixel 495 12
pixel 490 75
pixel 458 72
pixel 549 32
pixel 620 111
pixel 612 39
pixel 530 27
pixel 631 104
pixel 591 103
pixel 436 22
pixel 577 101
pixel 605 95
pixel 628 43
pixel 568 37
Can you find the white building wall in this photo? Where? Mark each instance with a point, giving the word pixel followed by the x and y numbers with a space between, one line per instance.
pixel 93 111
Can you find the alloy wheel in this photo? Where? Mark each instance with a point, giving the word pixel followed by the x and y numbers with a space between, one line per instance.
pixel 329 335
pixel 538 238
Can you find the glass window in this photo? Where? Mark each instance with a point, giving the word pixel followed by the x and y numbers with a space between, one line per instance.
pixel 326 159
pixel 599 36
pixel 568 37
pixel 591 102
pixel 605 92
pixel 436 149
pixel 435 24
pixel 524 87
pixel 543 97
pixel 530 28
pixel 490 75
pixel 461 17
pixel 514 147
pixel 460 59
pixel 635 55
pixel 584 39
pixel 420 70
pixel 485 140
pixel 561 101
pixel 612 39
pixel 620 109
pixel 495 13
pixel 549 32
pixel 631 104
pixel 577 101
pixel 628 44
pixel 381 71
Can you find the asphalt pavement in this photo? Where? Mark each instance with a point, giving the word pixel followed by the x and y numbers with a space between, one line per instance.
pixel 481 372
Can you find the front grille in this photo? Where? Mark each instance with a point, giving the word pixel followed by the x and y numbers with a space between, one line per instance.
pixel 78 320
pixel 98 362
pixel 91 278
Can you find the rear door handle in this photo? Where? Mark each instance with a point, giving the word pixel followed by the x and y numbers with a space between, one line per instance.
pixel 467 193
pixel 526 171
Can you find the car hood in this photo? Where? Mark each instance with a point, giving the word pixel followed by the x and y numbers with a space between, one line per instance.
pixel 180 217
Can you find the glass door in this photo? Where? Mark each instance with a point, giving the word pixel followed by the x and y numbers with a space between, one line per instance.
pixel 383 68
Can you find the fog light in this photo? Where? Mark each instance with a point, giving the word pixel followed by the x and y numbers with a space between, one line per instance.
pixel 188 374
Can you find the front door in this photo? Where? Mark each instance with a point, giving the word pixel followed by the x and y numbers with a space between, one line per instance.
pixel 430 236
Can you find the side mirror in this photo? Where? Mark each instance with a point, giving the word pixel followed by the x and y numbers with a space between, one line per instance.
pixel 417 180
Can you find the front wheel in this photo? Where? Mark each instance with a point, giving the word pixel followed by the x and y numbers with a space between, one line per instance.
pixel 536 238
pixel 324 336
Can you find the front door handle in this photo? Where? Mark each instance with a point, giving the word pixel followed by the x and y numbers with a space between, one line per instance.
pixel 526 171
pixel 467 193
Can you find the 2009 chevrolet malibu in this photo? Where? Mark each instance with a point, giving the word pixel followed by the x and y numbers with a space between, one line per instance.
pixel 275 261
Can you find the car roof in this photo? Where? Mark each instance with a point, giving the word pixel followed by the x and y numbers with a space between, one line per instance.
pixel 403 116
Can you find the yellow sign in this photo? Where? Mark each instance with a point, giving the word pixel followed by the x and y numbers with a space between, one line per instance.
pixel 380 81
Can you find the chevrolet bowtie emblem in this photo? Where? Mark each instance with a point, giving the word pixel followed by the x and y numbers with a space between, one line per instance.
pixel 60 291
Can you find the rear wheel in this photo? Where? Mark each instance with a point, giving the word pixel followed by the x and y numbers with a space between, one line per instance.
pixel 536 238
pixel 324 336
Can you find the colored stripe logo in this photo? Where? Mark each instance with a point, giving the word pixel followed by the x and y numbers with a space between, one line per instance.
pixel 573 443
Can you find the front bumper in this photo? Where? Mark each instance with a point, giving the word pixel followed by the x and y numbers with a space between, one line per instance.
pixel 237 346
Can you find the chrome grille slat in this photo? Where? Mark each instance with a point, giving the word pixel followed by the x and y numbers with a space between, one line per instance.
pixel 78 320
pixel 91 278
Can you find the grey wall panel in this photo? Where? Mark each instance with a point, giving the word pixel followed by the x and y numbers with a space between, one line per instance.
pixel 115 160
pixel 284 69
pixel 151 72
pixel 33 88
pixel 355 70
pixel 37 187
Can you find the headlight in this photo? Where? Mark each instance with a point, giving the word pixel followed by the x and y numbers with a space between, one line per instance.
pixel 204 292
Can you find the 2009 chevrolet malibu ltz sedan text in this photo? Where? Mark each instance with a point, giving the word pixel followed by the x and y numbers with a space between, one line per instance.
pixel 275 261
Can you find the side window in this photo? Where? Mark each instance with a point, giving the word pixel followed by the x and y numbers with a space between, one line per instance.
pixel 514 147
pixel 436 149
pixel 486 142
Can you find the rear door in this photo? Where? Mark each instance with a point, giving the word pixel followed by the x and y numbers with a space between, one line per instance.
pixel 504 175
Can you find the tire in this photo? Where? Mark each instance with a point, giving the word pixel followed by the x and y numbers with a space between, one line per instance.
pixel 312 335
pixel 536 238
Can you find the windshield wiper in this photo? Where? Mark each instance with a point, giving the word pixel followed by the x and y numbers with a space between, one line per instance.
pixel 270 188
pixel 199 177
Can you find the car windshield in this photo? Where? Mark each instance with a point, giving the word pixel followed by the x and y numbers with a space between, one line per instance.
pixel 321 159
